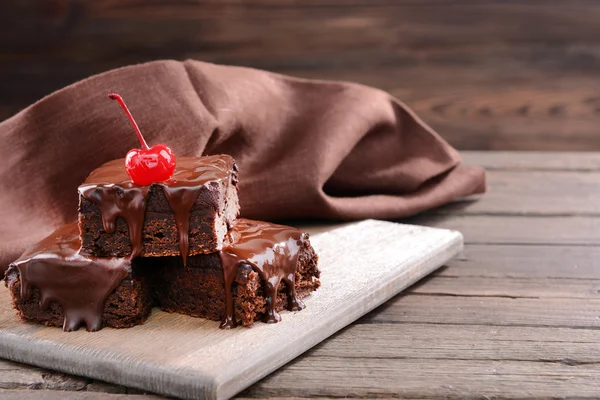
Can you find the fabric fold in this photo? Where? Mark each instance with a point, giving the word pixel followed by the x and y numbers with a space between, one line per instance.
pixel 305 148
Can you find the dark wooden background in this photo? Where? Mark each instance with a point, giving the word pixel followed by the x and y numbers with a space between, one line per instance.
pixel 487 74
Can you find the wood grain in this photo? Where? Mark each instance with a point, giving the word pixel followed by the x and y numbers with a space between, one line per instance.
pixel 191 358
pixel 421 378
pixel 457 342
pixel 540 288
pixel 531 262
pixel 526 184
pixel 537 194
pixel 487 74
pixel 513 229
pixel 438 352
pixel 495 311
pixel 61 395
pixel 534 161
pixel 13 377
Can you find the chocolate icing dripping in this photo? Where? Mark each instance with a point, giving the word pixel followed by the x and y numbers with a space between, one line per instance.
pixel 111 189
pixel 272 251
pixel 230 265
pixel 127 202
pixel 181 201
pixel 90 280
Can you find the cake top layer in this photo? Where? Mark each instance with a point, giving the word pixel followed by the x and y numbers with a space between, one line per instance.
pixel 189 172
pixel 78 282
pixel 116 195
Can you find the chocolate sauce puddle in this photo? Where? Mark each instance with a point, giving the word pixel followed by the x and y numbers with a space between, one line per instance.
pixel 111 189
pixel 272 251
pixel 79 283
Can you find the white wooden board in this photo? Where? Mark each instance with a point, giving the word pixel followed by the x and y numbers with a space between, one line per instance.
pixel 363 265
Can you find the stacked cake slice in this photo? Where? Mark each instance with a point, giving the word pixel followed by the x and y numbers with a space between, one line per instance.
pixel 176 244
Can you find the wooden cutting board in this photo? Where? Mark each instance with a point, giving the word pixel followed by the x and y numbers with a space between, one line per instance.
pixel 363 265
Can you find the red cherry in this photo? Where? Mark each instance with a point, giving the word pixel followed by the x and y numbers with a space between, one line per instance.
pixel 146 165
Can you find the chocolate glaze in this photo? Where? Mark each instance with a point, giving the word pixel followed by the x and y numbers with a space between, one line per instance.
pixel 111 188
pixel 80 283
pixel 272 251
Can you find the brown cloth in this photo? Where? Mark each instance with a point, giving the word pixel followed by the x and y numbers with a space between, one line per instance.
pixel 305 148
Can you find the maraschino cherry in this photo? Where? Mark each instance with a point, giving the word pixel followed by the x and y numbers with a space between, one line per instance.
pixel 148 164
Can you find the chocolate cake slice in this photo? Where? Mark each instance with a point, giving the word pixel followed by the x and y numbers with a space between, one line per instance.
pixel 263 268
pixel 188 214
pixel 54 284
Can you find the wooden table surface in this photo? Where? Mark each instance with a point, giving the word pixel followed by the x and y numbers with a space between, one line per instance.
pixel 517 315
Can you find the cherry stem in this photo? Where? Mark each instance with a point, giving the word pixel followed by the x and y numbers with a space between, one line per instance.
pixel 119 99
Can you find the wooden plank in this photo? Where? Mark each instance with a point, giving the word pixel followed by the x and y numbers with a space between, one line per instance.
pixel 534 160
pixel 483 108
pixel 528 185
pixel 64 395
pixel 525 262
pixel 14 376
pixel 512 87
pixel 500 311
pixel 421 378
pixel 241 397
pixel 538 288
pixel 188 357
pixel 510 229
pixel 534 193
pixel 458 342
pixel 518 272
pixel 240 31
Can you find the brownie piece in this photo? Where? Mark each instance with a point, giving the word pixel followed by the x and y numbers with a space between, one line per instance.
pixel 188 214
pixel 54 284
pixel 198 289
pixel 262 269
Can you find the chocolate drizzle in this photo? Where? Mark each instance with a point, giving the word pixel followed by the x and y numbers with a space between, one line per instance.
pixel 116 195
pixel 184 198
pixel 126 202
pixel 272 251
pixel 79 283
